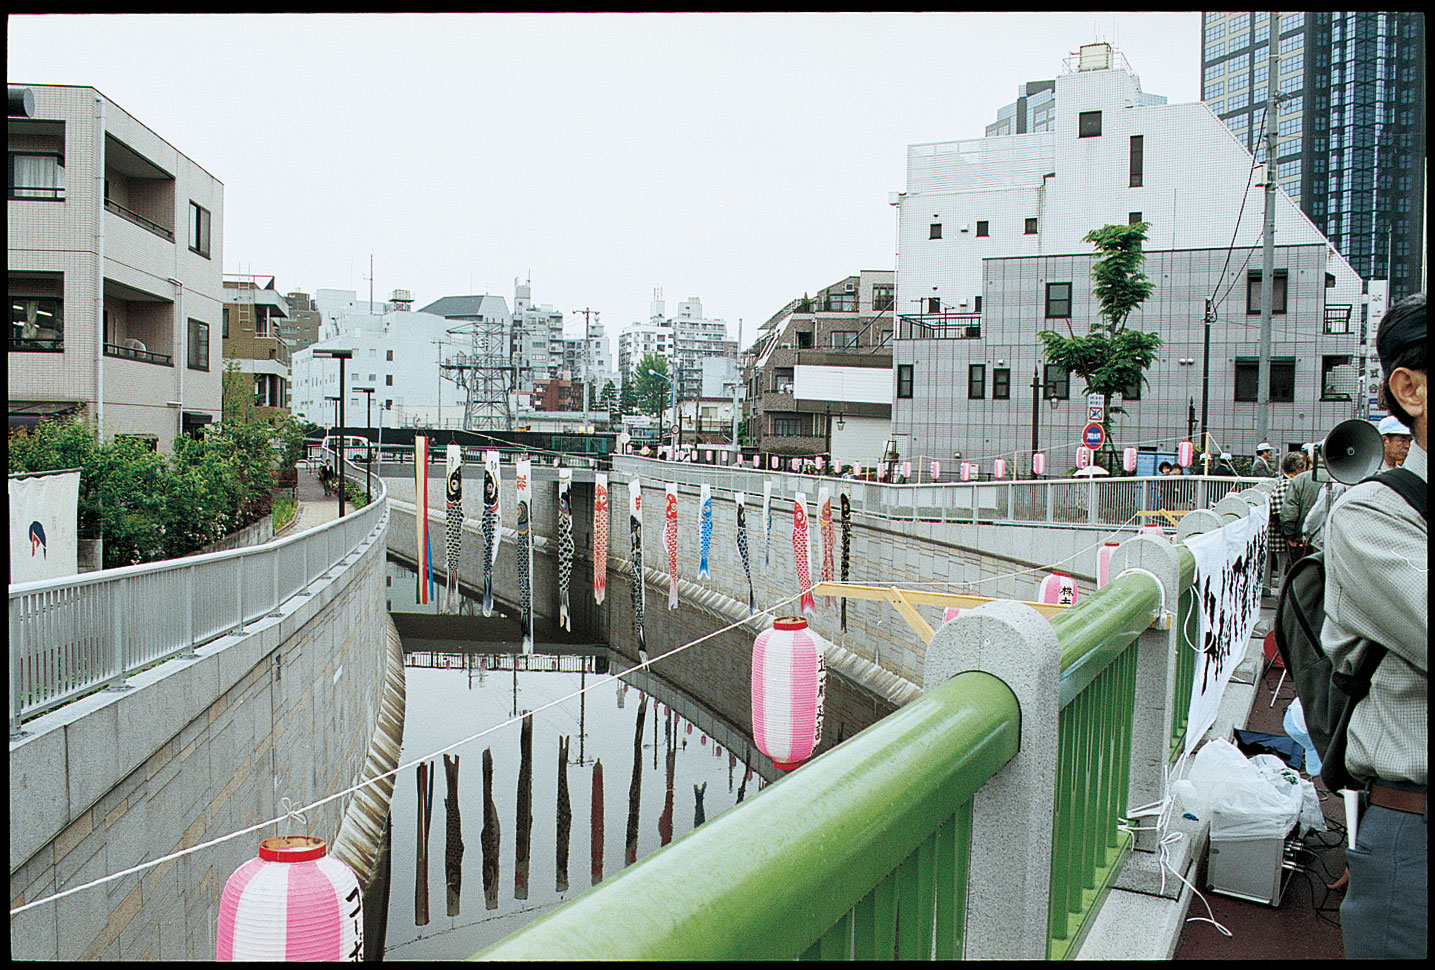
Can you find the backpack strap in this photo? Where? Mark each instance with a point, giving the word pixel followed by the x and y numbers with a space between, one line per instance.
pixel 1407 484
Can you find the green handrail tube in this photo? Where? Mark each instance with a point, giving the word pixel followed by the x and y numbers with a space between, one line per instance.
pixel 1096 630
pixel 767 878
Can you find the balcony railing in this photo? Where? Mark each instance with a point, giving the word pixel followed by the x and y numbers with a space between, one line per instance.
pixel 139 354
pixel 939 326
pixel 139 220
pixel 1337 318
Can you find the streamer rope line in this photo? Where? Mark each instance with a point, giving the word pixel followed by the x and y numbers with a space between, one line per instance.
pixel 290 811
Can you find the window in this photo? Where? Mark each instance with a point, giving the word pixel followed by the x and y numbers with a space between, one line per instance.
pixel 388 380
pixel 1282 386
pixel 976 380
pixel 804 339
pixel 1001 383
pixel 198 345
pixel 36 323
pixel 786 426
pixel 1088 124
pixel 883 296
pixel 1253 292
pixel 1336 385
pixel 935 231
pixel 934 304
pixel 1137 150
pixel 976 304
pixel 1132 218
pixel 388 355
pixel 199 229
pixel 224 334
pixel 904 380
pixel 983 228
pixel 1057 381
pixel 1058 301
pixel 842 339
pixel 1031 227
pixel 37 175
pixel 1132 391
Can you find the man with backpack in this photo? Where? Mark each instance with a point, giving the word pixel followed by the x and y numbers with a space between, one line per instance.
pixel 1376 616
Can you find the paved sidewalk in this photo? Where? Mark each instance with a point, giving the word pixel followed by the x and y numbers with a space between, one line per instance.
pixel 314 506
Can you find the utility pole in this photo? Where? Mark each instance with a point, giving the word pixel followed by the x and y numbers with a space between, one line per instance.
pixel 1206 373
pixel 1268 255
pixel 587 336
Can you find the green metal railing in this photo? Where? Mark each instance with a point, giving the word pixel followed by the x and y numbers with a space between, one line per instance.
pixel 1097 639
pixel 860 854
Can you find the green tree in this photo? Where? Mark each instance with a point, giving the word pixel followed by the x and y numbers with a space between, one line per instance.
pixel 1110 358
pixel 627 396
pixel 652 393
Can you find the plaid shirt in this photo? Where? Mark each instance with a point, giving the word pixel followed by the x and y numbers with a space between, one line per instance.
pixel 1377 562
pixel 1278 496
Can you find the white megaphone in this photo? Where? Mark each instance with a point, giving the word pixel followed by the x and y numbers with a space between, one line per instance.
pixel 1351 452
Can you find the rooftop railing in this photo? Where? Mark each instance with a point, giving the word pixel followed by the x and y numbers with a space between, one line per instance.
pixel 76 634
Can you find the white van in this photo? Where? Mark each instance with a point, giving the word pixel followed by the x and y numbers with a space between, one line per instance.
pixel 356 449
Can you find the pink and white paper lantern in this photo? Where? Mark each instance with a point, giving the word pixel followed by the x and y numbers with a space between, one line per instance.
pixel 1083 456
pixel 1155 531
pixel 1128 459
pixel 907 469
pixel 936 470
pixel 999 468
pixel 966 471
pixel 1038 463
pixel 1058 589
pixel 292 903
pixel 1185 454
pixel 789 670
pixel 950 613
pixel 1103 563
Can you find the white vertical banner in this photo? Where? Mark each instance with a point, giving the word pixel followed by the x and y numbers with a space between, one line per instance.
pixel 1228 596
pixel 44 533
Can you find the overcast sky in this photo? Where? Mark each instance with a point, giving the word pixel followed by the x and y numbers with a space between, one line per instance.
pixel 740 158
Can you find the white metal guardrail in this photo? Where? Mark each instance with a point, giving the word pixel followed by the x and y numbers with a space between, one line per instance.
pixel 71 635
pixel 1102 502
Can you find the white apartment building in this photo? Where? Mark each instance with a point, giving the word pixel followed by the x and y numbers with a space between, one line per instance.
pixel 685 340
pixel 395 353
pixel 990 252
pixel 114 270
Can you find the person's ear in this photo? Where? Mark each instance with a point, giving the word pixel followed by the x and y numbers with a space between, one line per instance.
pixel 1408 387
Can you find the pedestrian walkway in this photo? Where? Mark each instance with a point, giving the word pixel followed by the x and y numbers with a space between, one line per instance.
pixel 314 506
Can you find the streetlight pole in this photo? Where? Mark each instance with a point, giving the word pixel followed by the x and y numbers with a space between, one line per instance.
pixel 677 428
pixel 369 436
pixel 342 356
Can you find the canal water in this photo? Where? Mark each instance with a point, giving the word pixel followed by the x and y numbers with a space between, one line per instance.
pixel 510 825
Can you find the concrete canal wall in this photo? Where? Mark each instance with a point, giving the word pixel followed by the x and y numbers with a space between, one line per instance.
pixel 193 749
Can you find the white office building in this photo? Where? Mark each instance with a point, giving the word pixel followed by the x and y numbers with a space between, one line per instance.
pixel 991 251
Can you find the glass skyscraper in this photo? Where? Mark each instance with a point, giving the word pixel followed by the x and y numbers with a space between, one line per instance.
pixel 1350 145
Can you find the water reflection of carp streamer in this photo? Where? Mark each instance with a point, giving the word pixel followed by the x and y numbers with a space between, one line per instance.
pixel 600 537
pixel 491 524
pixel 635 528
pixel 565 545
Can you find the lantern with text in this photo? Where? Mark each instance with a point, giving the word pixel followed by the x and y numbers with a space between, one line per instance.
pixel 1128 459
pixel 999 468
pixel 1083 456
pixel 1038 463
pixel 292 903
pixel 707 456
pixel 907 469
pixel 1154 531
pixel 966 471
pixel 1058 589
pixel 1103 563
pixel 936 470
pixel 1185 454
pixel 789 669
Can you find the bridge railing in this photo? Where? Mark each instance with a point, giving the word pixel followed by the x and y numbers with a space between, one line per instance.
pixel 922 836
pixel 1093 502
pixel 72 635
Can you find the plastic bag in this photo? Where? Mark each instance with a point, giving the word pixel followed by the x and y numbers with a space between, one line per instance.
pixel 1244 798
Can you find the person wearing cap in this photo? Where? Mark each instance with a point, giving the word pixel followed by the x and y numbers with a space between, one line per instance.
pixel 1300 498
pixel 1261 465
pixel 1223 465
pixel 1397 441
pixel 1376 592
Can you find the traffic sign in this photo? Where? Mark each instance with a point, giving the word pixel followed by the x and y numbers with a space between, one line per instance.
pixel 1095 407
pixel 1093 436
